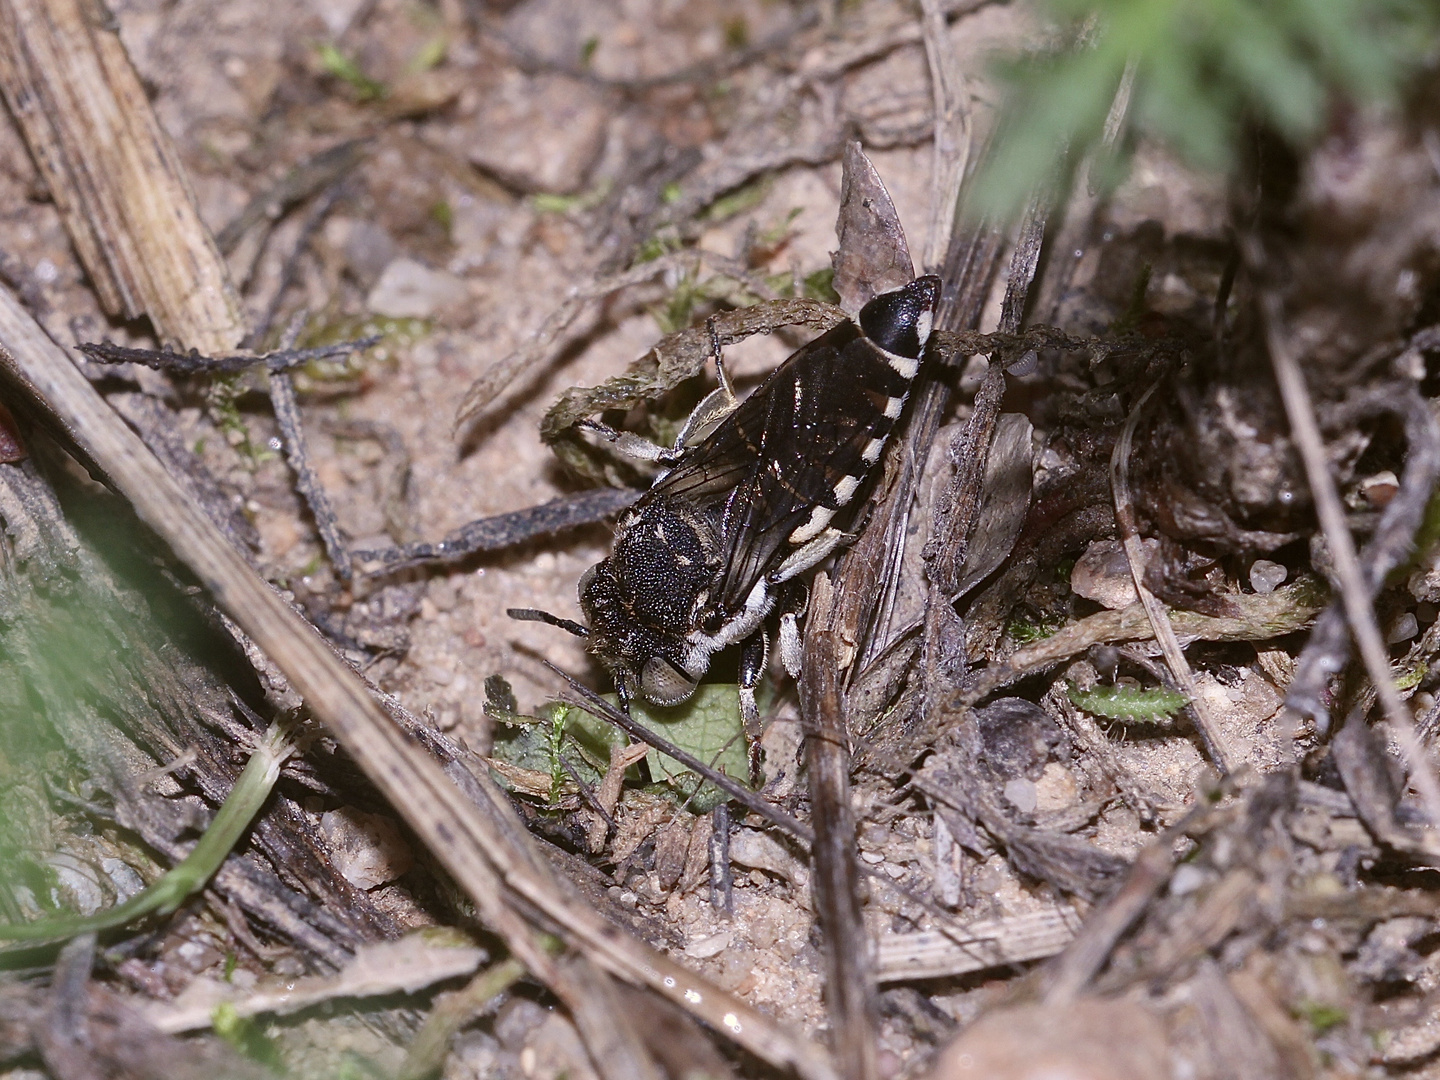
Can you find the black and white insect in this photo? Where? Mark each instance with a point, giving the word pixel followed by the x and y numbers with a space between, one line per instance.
pixel 754 494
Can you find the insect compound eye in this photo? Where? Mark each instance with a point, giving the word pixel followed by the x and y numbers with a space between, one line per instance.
pixel 587 579
pixel 663 683
pixel 899 321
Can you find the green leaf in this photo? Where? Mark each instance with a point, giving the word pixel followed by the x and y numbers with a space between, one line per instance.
pixel 707 726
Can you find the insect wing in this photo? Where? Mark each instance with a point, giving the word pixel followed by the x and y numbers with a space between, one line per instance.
pixel 793 454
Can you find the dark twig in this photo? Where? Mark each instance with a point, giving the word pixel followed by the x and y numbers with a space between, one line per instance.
pixel 722 897
pixel 507 530
pixel 283 401
pixel 850 975
pixel 313 220
pixel 300 182
pixel 193 363
pixel 587 793
pixel 307 482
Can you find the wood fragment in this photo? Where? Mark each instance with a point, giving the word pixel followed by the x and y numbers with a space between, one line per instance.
pixel 850 976
pixel 873 256
pixel 407 965
pixel 115 178
pixel 1254 618
pixel 975 946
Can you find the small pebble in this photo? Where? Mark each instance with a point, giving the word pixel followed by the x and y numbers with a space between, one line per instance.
pixel 1403 629
pixel 708 947
pixel 1267 576
pixel 408 289
pixel 368 849
pixel 764 933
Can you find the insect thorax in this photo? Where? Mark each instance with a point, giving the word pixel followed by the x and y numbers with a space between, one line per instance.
pixel 655 589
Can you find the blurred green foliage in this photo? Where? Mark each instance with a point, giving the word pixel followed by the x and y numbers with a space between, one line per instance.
pixel 1201 69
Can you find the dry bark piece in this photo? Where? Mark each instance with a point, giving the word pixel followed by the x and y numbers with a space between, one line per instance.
pixel 985 943
pixel 113 173
pixel 1004 500
pixel 123 695
pixel 873 256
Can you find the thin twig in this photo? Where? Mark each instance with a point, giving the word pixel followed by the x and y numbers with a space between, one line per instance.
pixel 299 182
pixel 849 964
pixel 1328 648
pixel 313 220
pixel 544 341
pixel 1215 747
pixel 194 363
pixel 506 530
pixel 307 481
pixel 1256 618
pixel 1305 430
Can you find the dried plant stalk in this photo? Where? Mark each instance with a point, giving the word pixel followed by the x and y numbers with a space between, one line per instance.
pixel 116 179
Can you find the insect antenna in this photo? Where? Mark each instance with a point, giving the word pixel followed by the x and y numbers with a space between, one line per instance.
pixel 527 614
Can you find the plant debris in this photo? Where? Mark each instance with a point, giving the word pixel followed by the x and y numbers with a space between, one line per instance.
pixel 1081 772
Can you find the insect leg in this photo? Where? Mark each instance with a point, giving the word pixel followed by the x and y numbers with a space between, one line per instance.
pixel 631 445
pixel 753 655
pixel 720 373
pixel 793 601
pixel 622 693
pixel 810 553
